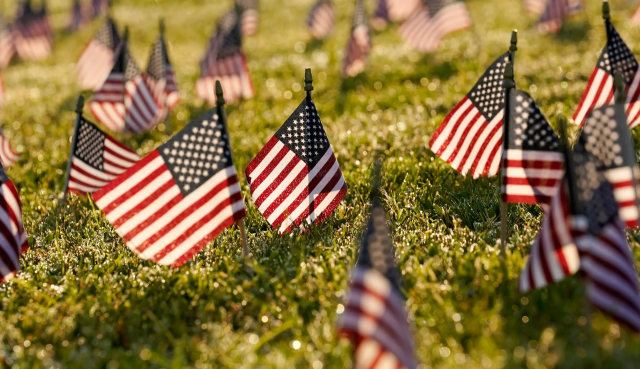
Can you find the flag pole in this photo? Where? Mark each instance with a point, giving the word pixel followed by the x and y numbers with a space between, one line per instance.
pixel 508 84
pixel 308 82
pixel 79 106
pixel 223 118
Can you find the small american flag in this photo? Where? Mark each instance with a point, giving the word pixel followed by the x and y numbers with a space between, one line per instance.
pixel 125 101
pixel 320 19
pixel 359 44
pixel 177 199
pixel 32 33
pixel 249 18
pixel 8 156
pixel 97 59
pixel 615 56
pixel 7 49
pixel 14 238
pixel 380 16
pixel 78 18
pixel 375 318
pixel 161 79
pixel 295 178
pixel 606 136
pixel 225 61
pixel 97 159
pixel 534 165
pixel 470 138
pixel 432 21
pixel 99 7
pixel 555 14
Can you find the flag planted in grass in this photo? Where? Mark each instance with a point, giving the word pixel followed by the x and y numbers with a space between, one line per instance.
pixel 432 21
pixel 470 138
pixel 359 44
pixel 32 33
pixel 177 199
pixel 97 59
pixel 534 165
pixel 161 78
pixel 125 102
pixel 96 159
pixel 320 19
pixel 375 318
pixel 249 17
pixel 13 238
pixel 555 13
pixel 225 61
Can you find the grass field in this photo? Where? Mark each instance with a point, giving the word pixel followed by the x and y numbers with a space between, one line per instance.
pixel 83 300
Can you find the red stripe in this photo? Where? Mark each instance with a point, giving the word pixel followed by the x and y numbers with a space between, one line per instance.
pixel 256 182
pixel 144 203
pixel 126 175
pixel 135 189
pixel 261 155
pixel 279 179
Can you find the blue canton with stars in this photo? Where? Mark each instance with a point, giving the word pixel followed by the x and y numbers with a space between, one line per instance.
pixel 488 95
pixel 529 128
pixel 197 152
pixel 617 56
pixel 303 134
pixel 90 144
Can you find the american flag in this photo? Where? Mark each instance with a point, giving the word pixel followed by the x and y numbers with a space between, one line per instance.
pixel 161 79
pixel 8 156
pixel 534 165
pixel 177 199
pixel 78 18
pixel 320 19
pixel 359 44
pixel 555 14
pixel 125 101
pixel 97 59
pixel 99 7
pixel 7 49
pixel 400 10
pixel 32 33
pixel 380 16
pixel 432 21
pixel 615 56
pixel 606 136
pixel 375 318
pixel 470 138
pixel 295 178
pixel 14 238
pixel 225 61
pixel 249 17
pixel 96 159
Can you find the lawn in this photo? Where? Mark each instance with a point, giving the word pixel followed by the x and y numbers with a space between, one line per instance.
pixel 83 300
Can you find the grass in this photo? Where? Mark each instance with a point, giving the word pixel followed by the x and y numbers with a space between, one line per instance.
pixel 83 300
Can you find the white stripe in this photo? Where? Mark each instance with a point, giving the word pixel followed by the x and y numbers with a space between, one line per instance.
pixel 282 187
pixel 255 173
pixel 480 146
pixel 451 124
pixel 126 185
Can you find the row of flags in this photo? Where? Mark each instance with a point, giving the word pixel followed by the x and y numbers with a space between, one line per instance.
pixel 29 36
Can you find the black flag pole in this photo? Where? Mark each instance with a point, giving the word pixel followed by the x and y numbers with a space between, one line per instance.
pixel 508 84
pixel 222 115
pixel 79 106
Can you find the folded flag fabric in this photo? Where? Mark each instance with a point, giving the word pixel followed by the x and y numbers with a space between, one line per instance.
pixel 249 18
pixel 177 199
pixel 295 179
pixel 13 238
pixel 606 136
pixel 161 79
pixel 225 61
pixel 616 56
pixel 320 19
pixel 7 49
pixel 8 156
pixel 555 13
pixel 534 165
pixel 375 318
pixel 432 21
pixel 97 58
pixel 125 102
pixel 32 33
pixel 470 138
pixel 96 159
pixel 359 44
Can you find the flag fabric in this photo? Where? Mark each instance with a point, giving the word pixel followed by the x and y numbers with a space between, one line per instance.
pixel 534 166
pixel 380 16
pixel 635 17
pixel 78 18
pixel 99 7
pixel 432 21
pixel 13 238
pixel 97 58
pixel 400 10
pixel 125 102
pixel 7 49
pixel 359 44
pixel 555 13
pixel 225 61
pixel 320 19
pixel 97 159
pixel 606 136
pixel 375 318
pixel 161 79
pixel 177 199
pixel 295 178
pixel 8 156
pixel 32 33
pixel 249 17
pixel 616 56
pixel 470 138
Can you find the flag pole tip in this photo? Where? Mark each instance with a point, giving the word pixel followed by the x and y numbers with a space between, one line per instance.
pixel 80 104
pixel 126 33
pixel 219 94
pixel 606 15
pixel 308 80
pixel 161 26
pixel 514 41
